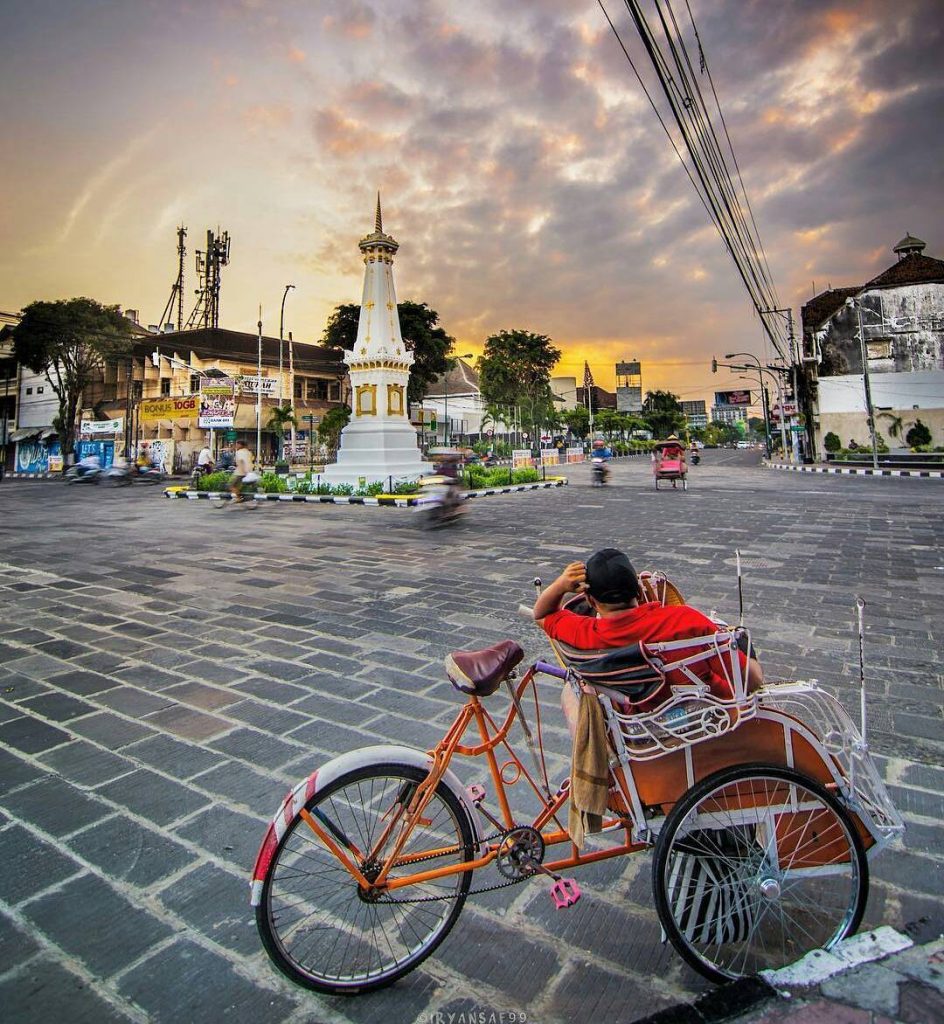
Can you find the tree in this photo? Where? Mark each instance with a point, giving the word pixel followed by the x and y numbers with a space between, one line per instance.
pixel 896 426
pixel 831 442
pixel 918 435
pixel 334 421
pixel 280 419
pixel 515 369
pixel 663 413
pixel 421 332
pixel 578 421
pixel 69 340
pixel 608 421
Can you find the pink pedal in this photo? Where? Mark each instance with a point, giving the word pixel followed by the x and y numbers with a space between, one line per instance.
pixel 476 793
pixel 565 892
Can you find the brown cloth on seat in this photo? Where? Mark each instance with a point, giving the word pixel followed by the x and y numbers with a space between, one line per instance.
pixel 589 770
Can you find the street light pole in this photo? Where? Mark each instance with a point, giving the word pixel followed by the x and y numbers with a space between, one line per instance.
pixel 288 288
pixel 776 376
pixel 447 429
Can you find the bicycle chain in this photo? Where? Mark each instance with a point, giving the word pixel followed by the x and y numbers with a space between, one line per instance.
pixel 472 892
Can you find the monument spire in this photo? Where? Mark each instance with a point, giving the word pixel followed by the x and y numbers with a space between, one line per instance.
pixel 379 442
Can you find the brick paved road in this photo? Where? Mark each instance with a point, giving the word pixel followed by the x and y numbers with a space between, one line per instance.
pixel 167 669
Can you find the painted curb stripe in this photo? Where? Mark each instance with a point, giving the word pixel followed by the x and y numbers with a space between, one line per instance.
pixel 933 474
pixel 350 499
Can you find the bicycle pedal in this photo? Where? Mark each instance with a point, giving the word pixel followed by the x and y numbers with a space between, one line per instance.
pixel 565 892
pixel 475 793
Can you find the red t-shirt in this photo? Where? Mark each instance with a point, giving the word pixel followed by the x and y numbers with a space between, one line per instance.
pixel 650 622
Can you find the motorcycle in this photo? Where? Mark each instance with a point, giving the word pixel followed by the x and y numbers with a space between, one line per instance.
pixel 83 475
pixel 694 458
pixel 441 503
pixel 150 474
pixel 199 472
pixel 599 472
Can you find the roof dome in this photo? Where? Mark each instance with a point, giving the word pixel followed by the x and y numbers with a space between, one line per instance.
pixel 909 244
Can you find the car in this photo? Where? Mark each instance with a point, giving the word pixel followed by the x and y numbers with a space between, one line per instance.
pixel 744 444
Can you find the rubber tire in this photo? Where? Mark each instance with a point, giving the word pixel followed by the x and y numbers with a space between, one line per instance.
pixel 693 797
pixel 264 924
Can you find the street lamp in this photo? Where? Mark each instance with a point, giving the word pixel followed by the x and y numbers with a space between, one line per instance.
pixel 288 288
pixel 866 381
pixel 776 376
pixel 447 432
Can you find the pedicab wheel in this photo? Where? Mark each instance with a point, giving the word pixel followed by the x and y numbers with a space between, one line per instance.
pixel 754 867
pixel 657 483
pixel 684 483
pixel 319 928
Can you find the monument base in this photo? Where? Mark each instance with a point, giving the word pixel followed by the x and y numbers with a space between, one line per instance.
pixel 370 453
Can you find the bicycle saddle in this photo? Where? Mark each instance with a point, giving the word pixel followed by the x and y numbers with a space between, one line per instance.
pixel 482 672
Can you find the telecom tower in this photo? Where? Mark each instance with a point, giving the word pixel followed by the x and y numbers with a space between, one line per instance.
pixel 177 290
pixel 206 313
pixel 629 387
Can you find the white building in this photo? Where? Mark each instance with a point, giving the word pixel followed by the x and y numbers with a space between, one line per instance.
pixel 902 317
pixel 457 401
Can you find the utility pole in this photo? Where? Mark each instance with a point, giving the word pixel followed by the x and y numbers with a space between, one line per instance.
pixel 866 381
pixel 259 396
pixel 181 252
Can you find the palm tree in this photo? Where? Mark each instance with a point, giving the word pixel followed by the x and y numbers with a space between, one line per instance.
pixel 896 424
pixel 280 419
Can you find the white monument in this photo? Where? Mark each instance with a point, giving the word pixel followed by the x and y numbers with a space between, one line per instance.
pixel 379 442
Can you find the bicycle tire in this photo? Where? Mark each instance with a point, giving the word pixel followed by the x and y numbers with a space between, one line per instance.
pixel 756 890
pixel 375 930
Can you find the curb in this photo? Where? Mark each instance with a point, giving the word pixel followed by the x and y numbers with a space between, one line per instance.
pixel 858 471
pixel 388 501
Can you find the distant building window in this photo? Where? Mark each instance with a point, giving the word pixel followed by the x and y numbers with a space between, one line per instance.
pixel 334 392
pixel 194 383
pixel 39 391
pixel 29 391
pixel 165 387
pixel 137 388
pixel 297 389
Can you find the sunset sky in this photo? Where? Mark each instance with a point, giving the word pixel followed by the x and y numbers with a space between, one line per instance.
pixel 521 168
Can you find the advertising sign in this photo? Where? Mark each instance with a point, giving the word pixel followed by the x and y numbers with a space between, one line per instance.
pixel 34 456
pixel 153 410
pixel 521 457
pixel 627 369
pixel 105 450
pixel 252 385
pixel 102 426
pixel 217 403
pixel 733 398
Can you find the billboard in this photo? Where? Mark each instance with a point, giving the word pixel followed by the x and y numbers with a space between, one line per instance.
pixel 733 398
pixel 629 399
pixel 153 410
pixel 628 369
pixel 102 426
pixel 217 403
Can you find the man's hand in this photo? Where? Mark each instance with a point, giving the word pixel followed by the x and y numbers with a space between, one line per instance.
pixel 572 579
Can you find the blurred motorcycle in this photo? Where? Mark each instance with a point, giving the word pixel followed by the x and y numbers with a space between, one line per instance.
pixel 599 472
pixel 441 502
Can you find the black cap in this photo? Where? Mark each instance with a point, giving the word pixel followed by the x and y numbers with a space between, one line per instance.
pixel 611 577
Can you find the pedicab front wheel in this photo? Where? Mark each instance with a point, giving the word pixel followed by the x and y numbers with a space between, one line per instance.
pixel 754 867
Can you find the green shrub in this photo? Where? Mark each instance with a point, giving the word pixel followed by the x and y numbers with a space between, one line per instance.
pixel 406 487
pixel 525 476
pixel 831 442
pixel 918 435
pixel 370 490
pixel 218 481
pixel 341 490
pixel 271 483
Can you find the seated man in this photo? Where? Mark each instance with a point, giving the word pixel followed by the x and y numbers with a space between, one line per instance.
pixel 611 587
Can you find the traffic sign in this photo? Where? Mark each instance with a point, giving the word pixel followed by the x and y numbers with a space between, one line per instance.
pixel 489 432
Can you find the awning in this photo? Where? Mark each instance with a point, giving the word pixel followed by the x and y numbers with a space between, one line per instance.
pixel 25 433
pixel 47 433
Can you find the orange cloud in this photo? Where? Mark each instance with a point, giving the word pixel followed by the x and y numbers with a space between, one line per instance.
pixel 345 137
pixel 296 56
pixel 356 23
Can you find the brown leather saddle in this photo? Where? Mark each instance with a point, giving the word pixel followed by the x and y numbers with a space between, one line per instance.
pixel 482 672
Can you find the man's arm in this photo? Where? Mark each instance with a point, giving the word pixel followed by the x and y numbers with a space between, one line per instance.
pixel 573 578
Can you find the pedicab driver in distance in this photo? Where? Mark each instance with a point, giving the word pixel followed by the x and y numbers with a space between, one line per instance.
pixel 609 583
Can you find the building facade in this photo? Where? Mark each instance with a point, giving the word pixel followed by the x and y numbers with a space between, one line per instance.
pixel 695 413
pixel 901 313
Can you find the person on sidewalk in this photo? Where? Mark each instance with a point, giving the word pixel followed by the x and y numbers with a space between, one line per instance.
pixel 243 472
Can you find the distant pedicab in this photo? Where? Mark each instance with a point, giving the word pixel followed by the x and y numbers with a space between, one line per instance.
pixel 668 462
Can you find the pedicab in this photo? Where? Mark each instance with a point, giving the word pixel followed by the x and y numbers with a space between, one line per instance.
pixel 668 462
pixel 760 810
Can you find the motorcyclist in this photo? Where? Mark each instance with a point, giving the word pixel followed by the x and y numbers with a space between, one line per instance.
pixel 204 462
pixel 600 456
pixel 88 464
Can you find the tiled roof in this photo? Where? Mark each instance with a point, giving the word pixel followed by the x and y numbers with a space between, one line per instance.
pixel 911 269
pixel 821 307
pixel 460 380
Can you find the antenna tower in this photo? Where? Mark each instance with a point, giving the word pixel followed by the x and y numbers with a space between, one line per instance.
pixel 177 289
pixel 206 313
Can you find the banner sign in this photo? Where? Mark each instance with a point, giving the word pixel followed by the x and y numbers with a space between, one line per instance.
pixel 217 403
pixel 733 398
pixel 521 457
pixel 153 410
pixel 102 426
pixel 253 385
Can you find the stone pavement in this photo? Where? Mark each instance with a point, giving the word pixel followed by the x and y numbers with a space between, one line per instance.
pixel 167 670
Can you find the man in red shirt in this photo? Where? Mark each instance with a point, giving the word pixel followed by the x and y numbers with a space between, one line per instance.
pixel 611 587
